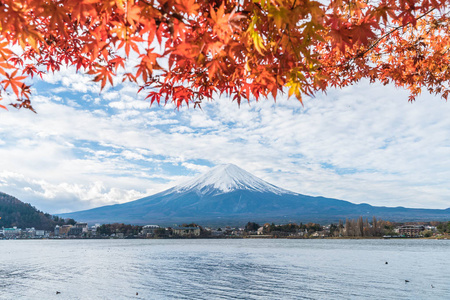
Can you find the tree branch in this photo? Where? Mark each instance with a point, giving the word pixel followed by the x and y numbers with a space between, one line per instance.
pixel 389 33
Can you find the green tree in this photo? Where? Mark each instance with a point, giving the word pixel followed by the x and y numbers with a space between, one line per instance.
pixel 251 226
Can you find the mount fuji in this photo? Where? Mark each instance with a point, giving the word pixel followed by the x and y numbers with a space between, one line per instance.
pixel 225 179
pixel 230 195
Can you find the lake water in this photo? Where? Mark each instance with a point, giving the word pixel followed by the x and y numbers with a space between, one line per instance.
pixel 225 269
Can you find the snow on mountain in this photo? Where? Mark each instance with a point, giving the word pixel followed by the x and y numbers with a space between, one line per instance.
pixel 227 178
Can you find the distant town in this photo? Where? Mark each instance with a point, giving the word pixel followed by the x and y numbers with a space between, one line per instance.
pixel 358 228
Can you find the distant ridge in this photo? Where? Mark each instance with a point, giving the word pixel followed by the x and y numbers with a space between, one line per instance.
pixel 228 194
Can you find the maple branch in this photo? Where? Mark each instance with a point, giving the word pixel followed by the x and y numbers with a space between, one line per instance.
pixel 361 54
pixel 308 44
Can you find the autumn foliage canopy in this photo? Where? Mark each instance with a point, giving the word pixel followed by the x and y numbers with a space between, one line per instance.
pixel 186 51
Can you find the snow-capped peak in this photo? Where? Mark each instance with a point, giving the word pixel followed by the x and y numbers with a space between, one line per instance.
pixel 227 178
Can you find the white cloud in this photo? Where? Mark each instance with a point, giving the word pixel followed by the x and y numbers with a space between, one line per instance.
pixel 197 168
pixel 363 144
pixel 136 104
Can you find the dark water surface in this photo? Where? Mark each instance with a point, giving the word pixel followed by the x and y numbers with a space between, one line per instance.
pixel 225 269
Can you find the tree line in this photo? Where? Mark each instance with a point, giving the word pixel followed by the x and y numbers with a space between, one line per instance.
pixel 359 227
pixel 14 212
pixel 126 229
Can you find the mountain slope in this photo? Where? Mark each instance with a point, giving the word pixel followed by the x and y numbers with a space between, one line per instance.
pixel 230 195
pixel 225 179
pixel 14 212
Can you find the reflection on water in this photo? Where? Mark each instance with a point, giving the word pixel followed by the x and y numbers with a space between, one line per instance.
pixel 224 269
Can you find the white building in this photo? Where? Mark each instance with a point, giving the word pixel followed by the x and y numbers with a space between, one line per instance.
pixel 149 230
pixel 39 233
pixel 12 232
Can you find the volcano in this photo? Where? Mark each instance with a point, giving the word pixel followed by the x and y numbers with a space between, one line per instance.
pixel 229 195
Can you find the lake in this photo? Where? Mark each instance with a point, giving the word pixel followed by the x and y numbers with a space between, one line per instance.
pixel 225 269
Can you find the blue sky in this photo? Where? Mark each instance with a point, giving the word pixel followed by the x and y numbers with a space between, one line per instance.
pixel 365 144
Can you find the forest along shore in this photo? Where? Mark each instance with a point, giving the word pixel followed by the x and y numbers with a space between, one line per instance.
pixel 350 229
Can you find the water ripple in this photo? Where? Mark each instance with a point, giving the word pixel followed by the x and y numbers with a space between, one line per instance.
pixel 224 269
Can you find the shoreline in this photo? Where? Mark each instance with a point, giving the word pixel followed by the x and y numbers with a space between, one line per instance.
pixel 255 237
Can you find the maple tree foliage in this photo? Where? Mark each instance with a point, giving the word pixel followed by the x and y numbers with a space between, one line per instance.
pixel 189 50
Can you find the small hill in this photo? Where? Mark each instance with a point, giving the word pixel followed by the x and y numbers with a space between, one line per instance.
pixel 14 212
